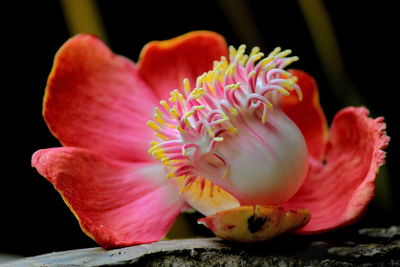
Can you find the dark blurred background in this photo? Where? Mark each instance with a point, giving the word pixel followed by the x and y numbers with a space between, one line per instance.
pixel 348 46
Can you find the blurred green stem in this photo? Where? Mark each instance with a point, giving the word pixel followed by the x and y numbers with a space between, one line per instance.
pixel 241 19
pixel 83 16
pixel 324 38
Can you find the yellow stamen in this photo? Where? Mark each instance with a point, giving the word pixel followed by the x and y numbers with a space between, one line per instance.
pixel 197 93
pixel 233 111
pixel 264 115
pixel 200 79
pixel 274 52
pixel 153 126
pixel 251 74
pixel 165 160
pixel 174 96
pixel 158 119
pixel 233 130
pixel 284 53
pixel 265 61
pixel 165 104
pixel 237 85
pixel 198 107
pixel 174 112
pixel 186 86
pixel 210 131
pixel 161 136
pixel 230 70
pixel 254 51
pixel 244 60
pixel 232 51
pixel 186 117
pixel 229 87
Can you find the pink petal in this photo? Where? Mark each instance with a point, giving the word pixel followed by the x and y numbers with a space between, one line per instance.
pixel 164 64
pixel 117 203
pixel 96 100
pixel 308 114
pixel 338 191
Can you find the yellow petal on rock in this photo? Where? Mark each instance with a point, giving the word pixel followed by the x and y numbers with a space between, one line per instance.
pixel 255 223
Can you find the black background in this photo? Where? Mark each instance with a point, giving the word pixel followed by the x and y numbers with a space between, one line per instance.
pixel 34 218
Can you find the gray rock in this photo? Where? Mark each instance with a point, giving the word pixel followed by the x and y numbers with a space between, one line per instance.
pixel 391 232
pixel 290 250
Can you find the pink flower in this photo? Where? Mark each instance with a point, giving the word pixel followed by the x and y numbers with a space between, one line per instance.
pixel 243 132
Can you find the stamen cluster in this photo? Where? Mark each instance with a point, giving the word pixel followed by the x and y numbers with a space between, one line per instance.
pixel 190 124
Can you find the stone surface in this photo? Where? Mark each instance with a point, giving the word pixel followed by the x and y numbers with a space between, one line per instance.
pixel 368 247
pixel 8 257
pixel 391 232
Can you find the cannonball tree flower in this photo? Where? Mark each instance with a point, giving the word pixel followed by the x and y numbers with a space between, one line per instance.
pixel 236 136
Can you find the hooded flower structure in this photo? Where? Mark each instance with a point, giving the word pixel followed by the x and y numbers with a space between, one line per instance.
pixel 240 139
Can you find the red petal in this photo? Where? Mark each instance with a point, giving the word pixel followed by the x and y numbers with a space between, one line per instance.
pixel 338 192
pixel 308 114
pixel 164 64
pixel 95 99
pixel 117 203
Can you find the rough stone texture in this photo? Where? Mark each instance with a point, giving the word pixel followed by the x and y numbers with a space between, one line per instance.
pixel 368 247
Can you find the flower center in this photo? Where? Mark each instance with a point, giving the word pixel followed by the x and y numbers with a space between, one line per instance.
pixel 230 130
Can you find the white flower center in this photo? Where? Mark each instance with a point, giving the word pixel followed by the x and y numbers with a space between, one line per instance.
pixel 230 129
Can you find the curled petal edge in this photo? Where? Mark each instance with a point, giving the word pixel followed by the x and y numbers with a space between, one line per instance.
pixel 164 64
pixel 338 191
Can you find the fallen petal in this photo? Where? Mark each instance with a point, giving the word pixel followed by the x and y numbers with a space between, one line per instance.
pixel 255 224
